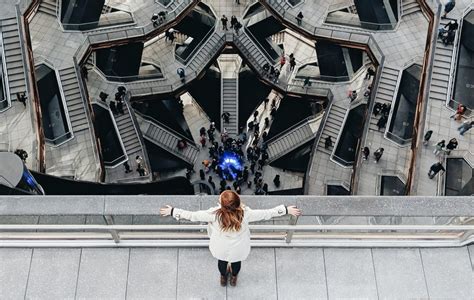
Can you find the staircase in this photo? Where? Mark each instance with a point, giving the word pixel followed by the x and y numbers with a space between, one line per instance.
pixel 74 101
pixel 48 7
pixel 441 69
pixel 294 137
pixel 333 125
pixel 250 51
pixel 230 104
pixel 167 140
pixel 13 57
pixel 207 51
pixel 410 7
pixel 386 92
pixel 128 133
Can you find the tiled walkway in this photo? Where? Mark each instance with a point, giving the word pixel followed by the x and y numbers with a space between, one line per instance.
pixel 268 273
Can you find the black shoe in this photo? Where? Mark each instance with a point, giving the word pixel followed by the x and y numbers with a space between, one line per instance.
pixel 223 280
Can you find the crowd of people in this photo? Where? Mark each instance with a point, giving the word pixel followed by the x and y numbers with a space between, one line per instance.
pixel 234 23
pixel 235 160
pixel 442 149
pixel 447 33
pixel 116 106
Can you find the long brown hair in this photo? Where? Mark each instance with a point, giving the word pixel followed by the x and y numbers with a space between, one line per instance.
pixel 231 213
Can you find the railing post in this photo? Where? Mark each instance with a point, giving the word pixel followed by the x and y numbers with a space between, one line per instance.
pixel 110 221
pixel 289 233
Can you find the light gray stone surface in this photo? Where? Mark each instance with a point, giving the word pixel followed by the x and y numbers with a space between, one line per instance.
pixel 147 205
pixel 74 220
pixel 301 273
pixel 257 278
pixel 14 269
pixel 44 205
pixel 152 274
pixel 399 273
pixel 103 273
pixel 198 277
pixel 53 274
pixel 311 205
pixel 268 273
pixel 350 273
pixel 448 273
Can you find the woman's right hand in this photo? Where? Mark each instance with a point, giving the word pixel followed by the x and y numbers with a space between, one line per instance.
pixel 166 211
pixel 293 210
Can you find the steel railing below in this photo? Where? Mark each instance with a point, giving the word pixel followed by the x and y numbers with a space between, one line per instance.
pixel 263 235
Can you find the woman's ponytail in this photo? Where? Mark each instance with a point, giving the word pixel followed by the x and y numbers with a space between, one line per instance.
pixel 230 214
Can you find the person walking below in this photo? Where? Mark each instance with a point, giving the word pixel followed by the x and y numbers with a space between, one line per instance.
pixel 465 127
pixel 226 117
pixel 181 74
pixel 439 147
pixel 228 229
pixel 265 102
pixel 224 22
pixel 452 25
pixel 276 181
pixel 233 21
pixel 237 27
pixel 452 145
pixel 171 36
pixel 127 167
pixel 20 97
pixel 427 137
pixel 328 142
pixel 460 111
pixel 434 169
pixel 282 61
pixel 366 153
pixel 448 7
pixel 299 18
pixel 154 20
pixel 378 154
pixel 292 62
pixel 307 82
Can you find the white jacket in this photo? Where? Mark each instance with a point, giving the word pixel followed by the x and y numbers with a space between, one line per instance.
pixel 230 246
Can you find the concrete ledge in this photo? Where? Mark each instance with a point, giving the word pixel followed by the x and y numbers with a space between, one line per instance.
pixel 51 205
pixel 311 205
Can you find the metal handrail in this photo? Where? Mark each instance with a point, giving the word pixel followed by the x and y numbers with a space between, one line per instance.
pixel 116 161
pixel 160 124
pixel 78 26
pixel 90 113
pixel 193 227
pixel 291 235
pixel 361 24
pixel 355 37
pixel 301 123
pixel 135 32
pixel 131 111
pixel 397 139
pixel 338 6
pixel 31 89
pixel 321 92
pixel 4 78
pixel 261 48
pixel 129 78
pixel 204 40
pixel 178 83
pixel 57 138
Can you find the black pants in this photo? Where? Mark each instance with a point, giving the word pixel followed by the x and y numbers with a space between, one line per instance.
pixel 222 265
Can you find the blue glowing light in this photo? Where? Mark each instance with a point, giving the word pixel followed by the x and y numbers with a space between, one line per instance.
pixel 230 164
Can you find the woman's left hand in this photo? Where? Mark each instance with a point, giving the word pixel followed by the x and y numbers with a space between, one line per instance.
pixel 294 211
pixel 166 211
